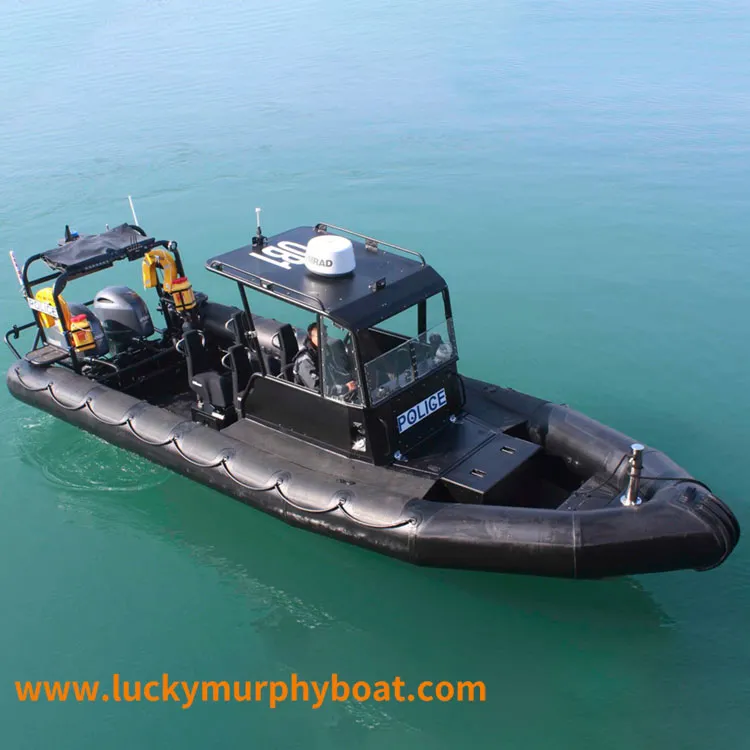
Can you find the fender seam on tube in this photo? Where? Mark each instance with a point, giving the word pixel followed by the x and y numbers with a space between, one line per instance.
pixel 222 462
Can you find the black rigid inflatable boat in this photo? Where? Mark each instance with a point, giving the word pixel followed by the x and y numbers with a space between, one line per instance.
pixel 389 448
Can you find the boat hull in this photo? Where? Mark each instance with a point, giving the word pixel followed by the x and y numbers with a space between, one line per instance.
pixel 681 526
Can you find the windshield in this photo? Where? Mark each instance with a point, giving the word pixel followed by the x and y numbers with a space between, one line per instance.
pixel 410 360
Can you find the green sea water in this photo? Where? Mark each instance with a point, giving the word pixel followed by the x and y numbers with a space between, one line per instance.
pixel 579 173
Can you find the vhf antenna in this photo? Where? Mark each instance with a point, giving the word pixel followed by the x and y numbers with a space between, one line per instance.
pixel 132 210
pixel 259 240
pixel 17 270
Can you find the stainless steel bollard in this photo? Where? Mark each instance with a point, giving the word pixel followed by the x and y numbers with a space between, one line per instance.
pixel 631 498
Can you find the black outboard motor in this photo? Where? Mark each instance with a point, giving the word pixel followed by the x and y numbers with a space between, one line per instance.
pixel 124 315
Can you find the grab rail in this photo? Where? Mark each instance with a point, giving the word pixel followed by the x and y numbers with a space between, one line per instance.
pixel 16 332
pixel 370 242
pixel 268 284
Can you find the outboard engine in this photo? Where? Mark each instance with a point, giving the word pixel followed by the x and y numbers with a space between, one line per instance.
pixel 124 315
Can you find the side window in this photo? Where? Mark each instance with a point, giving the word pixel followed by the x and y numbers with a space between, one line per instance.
pixel 281 329
pixel 403 324
pixel 393 362
pixel 435 310
pixel 267 307
pixel 340 379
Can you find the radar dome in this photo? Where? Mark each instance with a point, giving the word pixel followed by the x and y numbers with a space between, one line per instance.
pixel 330 255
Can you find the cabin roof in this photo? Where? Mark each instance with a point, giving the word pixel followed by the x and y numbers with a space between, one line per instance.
pixel 353 301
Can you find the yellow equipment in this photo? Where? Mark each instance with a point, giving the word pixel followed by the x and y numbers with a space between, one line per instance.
pixel 81 333
pixel 177 286
pixel 182 294
pixel 159 258
pixel 47 299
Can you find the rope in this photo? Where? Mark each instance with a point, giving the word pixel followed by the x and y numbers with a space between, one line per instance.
pixel 682 480
pixel 679 480
pixel 396 525
pixel 107 421
pixel 29 388
pixel 304 509
pixel 140 437
pixel 250 487
pixel 609 478
pixel 198 463
pixel 61 404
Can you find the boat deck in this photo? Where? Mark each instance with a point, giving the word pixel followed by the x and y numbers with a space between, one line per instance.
pixel 346 470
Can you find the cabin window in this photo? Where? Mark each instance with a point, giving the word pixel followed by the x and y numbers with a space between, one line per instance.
pixel 340 380
pixel 407 346
pixel 282 329
pixel 270 308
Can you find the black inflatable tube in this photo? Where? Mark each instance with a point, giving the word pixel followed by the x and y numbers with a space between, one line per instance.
pixel 681 526
pixel 589 447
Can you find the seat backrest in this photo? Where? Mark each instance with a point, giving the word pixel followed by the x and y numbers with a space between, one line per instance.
pixel 216 321
pixel 195 353
pixel 241 367
pixel 286 342
pixel 239 327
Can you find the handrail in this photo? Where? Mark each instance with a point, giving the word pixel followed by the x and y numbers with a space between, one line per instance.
pixel 370 242
pixel 16 333
pixel 267 284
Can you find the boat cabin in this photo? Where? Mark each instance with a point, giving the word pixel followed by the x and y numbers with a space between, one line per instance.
pixel 386 353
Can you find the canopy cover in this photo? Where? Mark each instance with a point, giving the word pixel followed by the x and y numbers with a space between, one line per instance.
pixel 93 250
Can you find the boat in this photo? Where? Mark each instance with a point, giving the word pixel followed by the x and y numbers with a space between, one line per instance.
pixel 386 445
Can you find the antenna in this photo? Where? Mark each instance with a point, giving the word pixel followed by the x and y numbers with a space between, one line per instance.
pixel 16 268
pixel 259 240
pixel 132 210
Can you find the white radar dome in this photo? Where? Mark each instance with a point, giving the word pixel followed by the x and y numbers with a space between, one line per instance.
pixel 330 255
